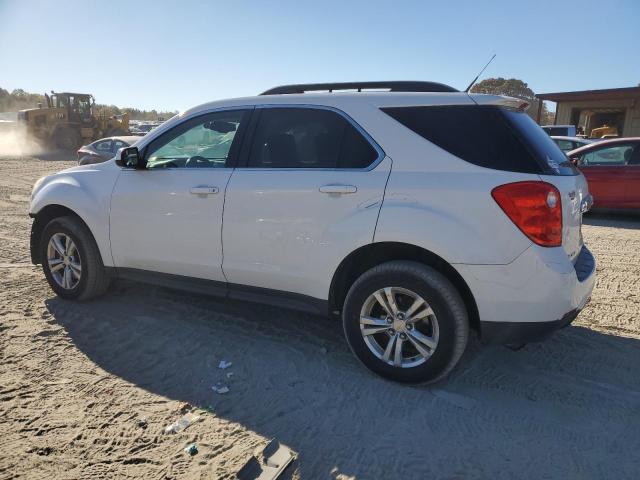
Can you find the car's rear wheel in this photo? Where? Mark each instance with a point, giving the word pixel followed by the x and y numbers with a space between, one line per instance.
pixel 71 260
pixel 406 322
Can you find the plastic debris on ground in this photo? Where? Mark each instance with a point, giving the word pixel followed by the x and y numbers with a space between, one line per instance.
pixel 224 364
pixel 268 464
pixel 142 423
pixel 230 374
pixel 220 388
pixel 191 449
pixel 182 423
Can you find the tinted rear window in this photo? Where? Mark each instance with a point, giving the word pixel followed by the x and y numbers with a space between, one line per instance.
pixel 486 136
pixel 308 138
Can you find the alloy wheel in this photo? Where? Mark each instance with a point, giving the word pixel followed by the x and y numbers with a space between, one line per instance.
pixel 399 327
pixel 64 261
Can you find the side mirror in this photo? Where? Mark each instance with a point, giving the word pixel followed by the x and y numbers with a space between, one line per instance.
pixel 130 158
pixel 574 160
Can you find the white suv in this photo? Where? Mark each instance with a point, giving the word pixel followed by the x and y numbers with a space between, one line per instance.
pixel 416 213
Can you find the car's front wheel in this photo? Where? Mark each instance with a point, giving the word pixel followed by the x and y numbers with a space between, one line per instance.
pixel 71 260
pixel 406 322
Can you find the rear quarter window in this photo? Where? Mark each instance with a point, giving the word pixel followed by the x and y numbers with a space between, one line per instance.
pixel 487 136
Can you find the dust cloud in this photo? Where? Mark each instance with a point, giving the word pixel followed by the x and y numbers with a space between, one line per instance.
pixel 15 141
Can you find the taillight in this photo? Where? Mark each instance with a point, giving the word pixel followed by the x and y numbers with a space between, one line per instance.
pixel 535 208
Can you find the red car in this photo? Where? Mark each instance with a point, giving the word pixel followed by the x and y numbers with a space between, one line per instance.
pixel 612 169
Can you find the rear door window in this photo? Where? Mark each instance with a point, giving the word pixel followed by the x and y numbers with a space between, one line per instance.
pixel 118 144
pixel 104 146
pixel 308 138
pixel 486 136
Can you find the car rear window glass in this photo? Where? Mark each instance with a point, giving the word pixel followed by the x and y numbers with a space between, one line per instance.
pixel 545 150
pixel 487 136
pixel 308 138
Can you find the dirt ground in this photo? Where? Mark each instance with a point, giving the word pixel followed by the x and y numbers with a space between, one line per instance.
pixel 76 379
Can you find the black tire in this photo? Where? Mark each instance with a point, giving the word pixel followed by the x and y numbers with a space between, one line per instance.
pixel 94 280
pixel 442 297
pixel 68 139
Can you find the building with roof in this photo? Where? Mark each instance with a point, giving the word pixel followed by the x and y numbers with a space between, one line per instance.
pixel 616 108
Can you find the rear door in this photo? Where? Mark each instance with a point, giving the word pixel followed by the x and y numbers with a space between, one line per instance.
pixel 308 194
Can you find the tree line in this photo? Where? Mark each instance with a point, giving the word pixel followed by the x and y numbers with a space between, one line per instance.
pixel 18 99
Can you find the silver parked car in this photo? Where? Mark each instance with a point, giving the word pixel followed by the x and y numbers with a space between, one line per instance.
pixel 103 149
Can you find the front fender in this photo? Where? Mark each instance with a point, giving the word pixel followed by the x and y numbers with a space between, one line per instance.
pixel 86 192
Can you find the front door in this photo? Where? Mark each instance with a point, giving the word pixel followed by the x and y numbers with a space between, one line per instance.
pixel 308 193
pixel 168 217
pixel 632 179
pixel 604 169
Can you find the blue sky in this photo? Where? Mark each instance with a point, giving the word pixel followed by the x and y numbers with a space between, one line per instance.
pixel 176 54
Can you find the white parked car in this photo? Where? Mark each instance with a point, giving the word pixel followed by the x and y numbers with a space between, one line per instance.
pixel 416 214
pixel 566 144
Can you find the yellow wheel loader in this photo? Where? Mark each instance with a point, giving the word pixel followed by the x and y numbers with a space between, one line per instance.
pixel 68 121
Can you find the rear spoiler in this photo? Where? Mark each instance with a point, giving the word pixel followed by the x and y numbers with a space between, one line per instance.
pixel 499 100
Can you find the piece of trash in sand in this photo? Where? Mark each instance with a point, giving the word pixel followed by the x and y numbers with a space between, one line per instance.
pixel 208 410
pixel 224 364
pixel 182 423
pixel 230 374
pixel 220 388
pixel 142 422
pixel 191 449
pixel 268 464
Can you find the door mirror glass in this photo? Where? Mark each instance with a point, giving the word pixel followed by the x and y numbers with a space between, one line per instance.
pixel 130 158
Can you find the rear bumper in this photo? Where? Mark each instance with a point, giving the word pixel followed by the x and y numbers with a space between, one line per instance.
pixel 528 299
pixel 523 332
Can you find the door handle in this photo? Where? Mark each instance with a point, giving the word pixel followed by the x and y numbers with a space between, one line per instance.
pixel 203 190
pixel 338 189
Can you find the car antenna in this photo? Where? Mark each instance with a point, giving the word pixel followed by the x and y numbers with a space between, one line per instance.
pixel 478 76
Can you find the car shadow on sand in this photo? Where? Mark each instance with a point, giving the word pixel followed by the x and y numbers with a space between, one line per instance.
pixel 565 407
pixel 613 218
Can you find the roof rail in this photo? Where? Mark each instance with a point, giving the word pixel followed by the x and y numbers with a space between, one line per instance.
pixel 393 86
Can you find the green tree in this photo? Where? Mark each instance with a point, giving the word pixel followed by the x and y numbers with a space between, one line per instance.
pixel 511 87
pixel 514 87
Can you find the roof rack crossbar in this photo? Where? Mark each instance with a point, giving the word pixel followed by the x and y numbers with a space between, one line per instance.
pixel 392 86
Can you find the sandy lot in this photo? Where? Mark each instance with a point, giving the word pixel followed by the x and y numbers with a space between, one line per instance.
pixel 75 378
